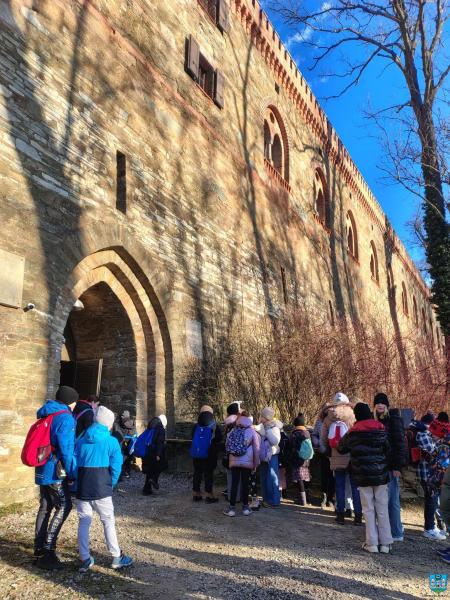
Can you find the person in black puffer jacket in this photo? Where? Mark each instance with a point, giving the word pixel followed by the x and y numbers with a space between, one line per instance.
pixel 398 458
pixel 205 464
pixel 155 461
pixel 368 445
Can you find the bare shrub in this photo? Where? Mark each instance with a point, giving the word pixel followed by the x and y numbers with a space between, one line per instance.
pixel 299 363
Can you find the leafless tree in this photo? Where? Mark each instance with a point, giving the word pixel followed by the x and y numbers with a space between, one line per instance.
pixel 410 36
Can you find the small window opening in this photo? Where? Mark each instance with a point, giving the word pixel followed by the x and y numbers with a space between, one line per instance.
pixel 121 182
pixel 283 283
pixel 332 321
pixel 206 76
pixel 277 88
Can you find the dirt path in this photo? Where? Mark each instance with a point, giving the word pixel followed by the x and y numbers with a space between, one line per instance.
pixel 191 551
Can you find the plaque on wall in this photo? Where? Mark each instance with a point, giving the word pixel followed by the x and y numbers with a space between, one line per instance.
pixel 194 338
pixel 11 279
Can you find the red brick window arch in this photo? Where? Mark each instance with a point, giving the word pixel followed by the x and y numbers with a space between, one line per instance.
pixel 415 312
pixel 276 148
pixel 322 204
pixel 352 236
pixel 374 263
pixel 404 299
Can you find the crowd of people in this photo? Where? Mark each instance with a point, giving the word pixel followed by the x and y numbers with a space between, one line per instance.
pixel 360 452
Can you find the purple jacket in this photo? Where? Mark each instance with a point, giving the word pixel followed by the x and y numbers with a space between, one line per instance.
pixel 249 460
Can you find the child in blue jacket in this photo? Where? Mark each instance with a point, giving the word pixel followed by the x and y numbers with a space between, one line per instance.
pixel 99 463
pixel 52 478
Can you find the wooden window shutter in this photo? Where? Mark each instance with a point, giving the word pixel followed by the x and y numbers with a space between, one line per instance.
pixel 219 89
pixel 193 57
pixel 223 15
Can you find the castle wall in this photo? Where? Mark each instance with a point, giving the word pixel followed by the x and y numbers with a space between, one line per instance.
pixel 208 225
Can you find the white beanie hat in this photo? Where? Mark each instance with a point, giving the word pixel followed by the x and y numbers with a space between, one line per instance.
pixel 105 416
pixel 268 413
pixel 340 398
pixel 163 420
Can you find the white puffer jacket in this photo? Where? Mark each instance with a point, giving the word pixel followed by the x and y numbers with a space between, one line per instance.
pixel 272 432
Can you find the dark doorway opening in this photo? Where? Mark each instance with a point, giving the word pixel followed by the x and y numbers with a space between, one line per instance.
pixel 99 355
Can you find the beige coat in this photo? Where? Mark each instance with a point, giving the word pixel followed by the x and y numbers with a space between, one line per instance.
pixel 342 412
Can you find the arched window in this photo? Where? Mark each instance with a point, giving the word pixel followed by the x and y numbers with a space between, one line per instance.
pixel 415 313
pixel 404 299
pixel 352 236
pixel 322 204
pixel 374 263
pixel 276 149
pixel 277 154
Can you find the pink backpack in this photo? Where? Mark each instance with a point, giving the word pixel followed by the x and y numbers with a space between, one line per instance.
pixel 336 432
pixel 37 447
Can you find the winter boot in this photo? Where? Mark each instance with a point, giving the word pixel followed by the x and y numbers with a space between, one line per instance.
pixel 49 561
pixel 301 499
pixel 357 520
pixel 340 518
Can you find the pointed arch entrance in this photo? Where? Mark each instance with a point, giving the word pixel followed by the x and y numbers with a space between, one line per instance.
pixel 121 309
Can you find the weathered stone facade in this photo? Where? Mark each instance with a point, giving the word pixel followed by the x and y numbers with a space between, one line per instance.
pixel 209 221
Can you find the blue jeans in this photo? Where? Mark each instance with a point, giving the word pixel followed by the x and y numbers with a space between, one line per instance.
pixel 394 506
pixel 269 481
pixel 339 477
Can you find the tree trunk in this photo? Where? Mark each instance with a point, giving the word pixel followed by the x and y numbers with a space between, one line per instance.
pixel 436 227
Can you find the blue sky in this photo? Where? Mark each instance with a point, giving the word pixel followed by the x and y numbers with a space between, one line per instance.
pixel 360 136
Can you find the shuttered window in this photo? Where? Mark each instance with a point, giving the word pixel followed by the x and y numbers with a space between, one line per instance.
pixel 211 80
pixel 218 11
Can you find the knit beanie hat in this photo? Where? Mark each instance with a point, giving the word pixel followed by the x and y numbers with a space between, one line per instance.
pixel 427 419
pixel 443 417
pixel 105 416
pixel 299 420
pixel 362 411
pixel 66 395
pixel 233 408
pixel 268 413
pixel 381 399
pixel 163 420
pixel 206 408
pixel 340 398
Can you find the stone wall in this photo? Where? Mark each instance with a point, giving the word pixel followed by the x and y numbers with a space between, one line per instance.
pixel 208 225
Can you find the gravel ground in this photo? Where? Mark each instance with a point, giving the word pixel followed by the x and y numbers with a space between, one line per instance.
pixel 191 551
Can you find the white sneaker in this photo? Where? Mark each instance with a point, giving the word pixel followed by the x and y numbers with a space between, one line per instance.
pixel 385 549
pixel 444 532
pixel 399 539
pixel 246 512
pixel 229 512
pixel 371 549
pixel 434 534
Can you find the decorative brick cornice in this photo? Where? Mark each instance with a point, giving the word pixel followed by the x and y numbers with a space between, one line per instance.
pixel 265 38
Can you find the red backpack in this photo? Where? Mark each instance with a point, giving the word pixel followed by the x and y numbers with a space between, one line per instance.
pixel 336 432
pixel 37 447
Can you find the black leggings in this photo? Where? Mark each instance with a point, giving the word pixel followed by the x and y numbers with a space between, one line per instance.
pixel 202 467
pixel 253 487
pixel 239 474
pixel 52 497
